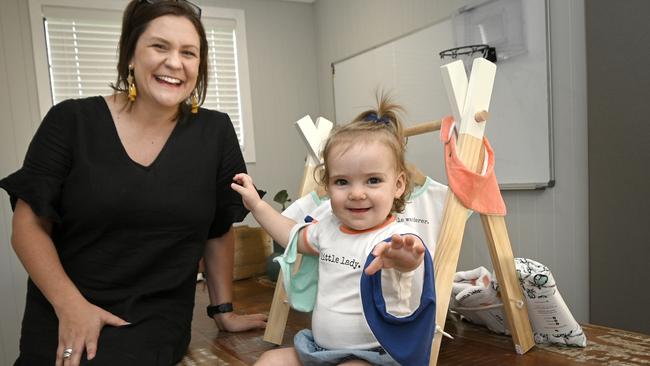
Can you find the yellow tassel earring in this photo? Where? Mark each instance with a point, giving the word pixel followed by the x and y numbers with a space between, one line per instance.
pixel 133 92
pixel 195 102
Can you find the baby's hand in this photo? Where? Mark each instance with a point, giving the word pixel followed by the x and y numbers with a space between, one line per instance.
pixel 404 253
pixel 244 186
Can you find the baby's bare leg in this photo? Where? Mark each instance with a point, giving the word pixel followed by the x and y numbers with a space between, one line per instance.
pixel 279 357
pixel 355 363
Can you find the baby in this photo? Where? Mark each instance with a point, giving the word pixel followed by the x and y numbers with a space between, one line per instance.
pixel 364 173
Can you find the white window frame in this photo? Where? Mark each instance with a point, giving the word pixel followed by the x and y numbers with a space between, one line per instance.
pixel 44 91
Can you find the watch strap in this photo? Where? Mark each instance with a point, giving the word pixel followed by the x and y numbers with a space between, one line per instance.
pixel 219 309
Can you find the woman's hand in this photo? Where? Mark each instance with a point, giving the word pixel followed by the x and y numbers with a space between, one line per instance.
pixel 404 253
pixel 231 322
pixel 244 186
pixel 79 321
pixel 79 326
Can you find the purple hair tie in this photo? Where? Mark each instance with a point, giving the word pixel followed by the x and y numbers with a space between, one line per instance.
pixel 372 117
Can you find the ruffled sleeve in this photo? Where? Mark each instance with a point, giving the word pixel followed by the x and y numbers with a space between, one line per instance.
pixel 229 208
pixel 46 165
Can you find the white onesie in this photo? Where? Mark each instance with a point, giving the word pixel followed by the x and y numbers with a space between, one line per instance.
pixel 337 319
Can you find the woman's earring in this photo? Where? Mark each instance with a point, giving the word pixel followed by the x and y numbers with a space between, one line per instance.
pixel 133 92
pixel 195 102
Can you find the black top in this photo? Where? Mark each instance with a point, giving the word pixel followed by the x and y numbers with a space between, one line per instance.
pixel 129 236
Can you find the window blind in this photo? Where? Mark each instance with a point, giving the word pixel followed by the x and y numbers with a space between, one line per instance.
pixel 82 57
pixel 223 76
pixel 82 60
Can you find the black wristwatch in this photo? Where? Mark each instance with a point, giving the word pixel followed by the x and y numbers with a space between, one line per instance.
pixel 219 309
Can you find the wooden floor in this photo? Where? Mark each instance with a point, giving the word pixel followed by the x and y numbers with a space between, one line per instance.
pixel 472 345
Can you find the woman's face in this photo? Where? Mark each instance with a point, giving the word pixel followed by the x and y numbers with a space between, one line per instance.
pixel 166 62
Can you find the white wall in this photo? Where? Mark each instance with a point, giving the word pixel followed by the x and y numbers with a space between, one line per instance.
pixel 550 225
pixel 18 103
pixel 282 60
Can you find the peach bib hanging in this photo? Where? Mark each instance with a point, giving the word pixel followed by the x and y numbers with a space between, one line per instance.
pixel 478 192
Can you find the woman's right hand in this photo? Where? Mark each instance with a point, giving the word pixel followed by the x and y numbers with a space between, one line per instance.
pixel 244 186
pixel 80 323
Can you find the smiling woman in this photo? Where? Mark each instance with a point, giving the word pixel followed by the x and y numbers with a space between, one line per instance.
pixel 117 199
pixel 163 72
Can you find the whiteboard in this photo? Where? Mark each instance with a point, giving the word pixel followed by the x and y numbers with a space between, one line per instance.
pixel 520 125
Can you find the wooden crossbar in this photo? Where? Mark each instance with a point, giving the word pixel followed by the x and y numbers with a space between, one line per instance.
pixel 423 128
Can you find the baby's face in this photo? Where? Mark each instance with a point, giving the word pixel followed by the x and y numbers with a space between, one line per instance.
pixel 363 183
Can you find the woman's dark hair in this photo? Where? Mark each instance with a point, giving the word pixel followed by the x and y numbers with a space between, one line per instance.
pixel 137 16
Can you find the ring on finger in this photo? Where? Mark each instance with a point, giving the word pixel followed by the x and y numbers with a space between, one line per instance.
pixel 67 353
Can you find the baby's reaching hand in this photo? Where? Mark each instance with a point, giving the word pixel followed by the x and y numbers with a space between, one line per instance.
pixel 244 186
pixel 404 253
pixel 271 220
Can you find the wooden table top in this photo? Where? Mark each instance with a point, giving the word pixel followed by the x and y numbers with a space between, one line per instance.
pixel 472 345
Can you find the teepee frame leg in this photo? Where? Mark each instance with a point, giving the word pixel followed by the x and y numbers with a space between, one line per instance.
pixel 313 134
pixel 465 106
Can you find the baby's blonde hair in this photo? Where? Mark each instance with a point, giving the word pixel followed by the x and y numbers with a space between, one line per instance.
pixel 383 125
